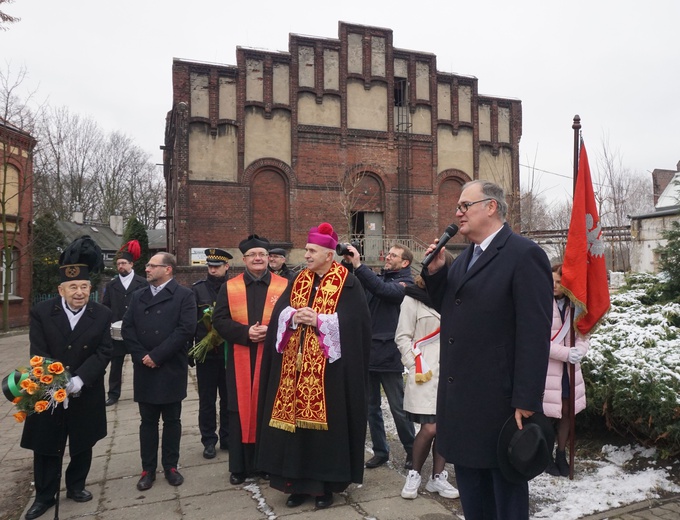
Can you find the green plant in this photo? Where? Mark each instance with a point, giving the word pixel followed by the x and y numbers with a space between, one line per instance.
pixel 134 230
pixel 669 262
pixel 631 371
pixel 48 243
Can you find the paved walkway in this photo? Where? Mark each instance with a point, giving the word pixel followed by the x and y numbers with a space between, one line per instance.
pixel 206 493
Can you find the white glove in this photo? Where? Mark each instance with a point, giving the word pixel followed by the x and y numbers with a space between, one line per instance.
pixel 575 356
pixel 74 386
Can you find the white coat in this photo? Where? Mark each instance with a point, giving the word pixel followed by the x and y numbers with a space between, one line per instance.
pixel 417 320
pixel 559 352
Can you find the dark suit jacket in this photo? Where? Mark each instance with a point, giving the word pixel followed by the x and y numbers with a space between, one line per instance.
pixel 117 298
pixel 495 343
pixel 163 327
pixel 84 351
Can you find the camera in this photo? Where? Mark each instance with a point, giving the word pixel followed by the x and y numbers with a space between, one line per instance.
pixel 341 249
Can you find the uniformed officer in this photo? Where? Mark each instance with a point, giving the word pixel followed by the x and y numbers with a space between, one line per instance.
pixel 211 373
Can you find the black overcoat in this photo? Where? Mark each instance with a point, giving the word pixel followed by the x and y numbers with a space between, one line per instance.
pixel 162 326
pixel 84 351
pixel 495 343
pixel 336 454
pixel 117 298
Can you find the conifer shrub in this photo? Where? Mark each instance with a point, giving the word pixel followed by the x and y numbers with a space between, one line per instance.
pixel 632 371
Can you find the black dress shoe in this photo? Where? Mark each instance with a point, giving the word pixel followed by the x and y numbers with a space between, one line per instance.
pixel 296 499
pixel 39 508
pixel 237 478
pixel 146 481
pixel 209 452
pixel 408 463
pixel 111 401
pixel 79 496
pixel 324 501
pixel 174 477
pixel 375 461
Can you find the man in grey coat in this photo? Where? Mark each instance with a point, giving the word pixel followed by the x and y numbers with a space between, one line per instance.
pixel 158 328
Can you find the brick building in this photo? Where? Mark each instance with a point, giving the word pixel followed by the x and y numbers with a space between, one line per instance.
pixel 16 201
pixel 353 131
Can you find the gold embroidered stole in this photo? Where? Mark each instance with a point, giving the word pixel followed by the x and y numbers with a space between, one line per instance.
pixel 301 399
pixel 247 387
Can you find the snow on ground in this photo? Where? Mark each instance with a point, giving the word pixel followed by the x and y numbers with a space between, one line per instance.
pixel 600 485
pixel 647 345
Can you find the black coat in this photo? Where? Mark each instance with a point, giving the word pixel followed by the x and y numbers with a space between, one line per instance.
pixel 162 326
pixel 495 343
pixel 205 292
pixel 336 454
pixel 384 294
pixel 285 271
pixel 117 298
pixel 84 351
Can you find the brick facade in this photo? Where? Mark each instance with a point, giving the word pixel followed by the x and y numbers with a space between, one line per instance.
pixel 264 146
pixel 16 147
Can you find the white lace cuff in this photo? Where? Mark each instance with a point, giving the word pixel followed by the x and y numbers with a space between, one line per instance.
pixel 285 328
pixel 328 326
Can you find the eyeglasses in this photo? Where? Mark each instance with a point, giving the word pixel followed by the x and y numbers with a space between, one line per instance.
pixel 465 206
pixel 256 255
pixel 393 255
pixel 153 266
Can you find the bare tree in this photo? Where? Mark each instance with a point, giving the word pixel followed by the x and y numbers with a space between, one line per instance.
pixel 81 168
pixel 16 146
pixel 621 194
pixel 65 163
pixel 353 192
pixel 6 19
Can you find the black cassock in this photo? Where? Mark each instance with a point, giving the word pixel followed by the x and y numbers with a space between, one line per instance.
pixel 318 461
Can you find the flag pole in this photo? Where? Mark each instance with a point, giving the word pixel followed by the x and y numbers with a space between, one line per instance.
pixel 576 126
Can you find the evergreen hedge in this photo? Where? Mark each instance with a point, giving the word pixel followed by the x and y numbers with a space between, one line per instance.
pixel 632 371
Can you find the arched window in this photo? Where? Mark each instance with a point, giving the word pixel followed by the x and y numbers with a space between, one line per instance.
pixel 269 197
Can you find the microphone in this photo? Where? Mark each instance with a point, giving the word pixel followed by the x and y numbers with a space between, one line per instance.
pixel 448 234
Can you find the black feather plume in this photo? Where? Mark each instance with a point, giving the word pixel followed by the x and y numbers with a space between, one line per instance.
pixel 83 250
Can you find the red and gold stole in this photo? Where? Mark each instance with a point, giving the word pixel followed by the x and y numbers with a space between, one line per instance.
pixel 301 399
pixel 247 387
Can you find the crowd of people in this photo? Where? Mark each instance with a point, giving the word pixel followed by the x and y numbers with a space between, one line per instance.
pixel 291 366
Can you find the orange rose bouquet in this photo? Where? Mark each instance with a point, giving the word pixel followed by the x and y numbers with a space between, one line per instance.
pixel 37 388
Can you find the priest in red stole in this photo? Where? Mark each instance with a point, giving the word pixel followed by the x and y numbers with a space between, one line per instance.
pixel 313 404
pixel 241 316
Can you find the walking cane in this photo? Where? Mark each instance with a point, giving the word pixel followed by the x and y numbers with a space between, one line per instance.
pixel 62 449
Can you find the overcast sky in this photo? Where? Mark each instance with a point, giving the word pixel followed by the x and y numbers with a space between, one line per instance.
pixel 616 63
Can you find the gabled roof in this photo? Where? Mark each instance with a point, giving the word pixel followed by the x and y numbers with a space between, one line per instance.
pixel 106 238
pixel 670 197
pixel 103 235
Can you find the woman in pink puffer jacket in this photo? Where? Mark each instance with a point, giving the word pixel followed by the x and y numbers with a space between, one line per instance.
pixel 556 397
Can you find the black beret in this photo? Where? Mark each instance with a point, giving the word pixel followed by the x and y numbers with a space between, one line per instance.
pixel 251 242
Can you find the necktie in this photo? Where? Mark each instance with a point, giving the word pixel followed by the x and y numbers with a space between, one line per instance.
pixel 475 255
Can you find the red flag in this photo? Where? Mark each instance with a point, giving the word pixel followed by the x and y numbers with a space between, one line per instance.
pixel 584 272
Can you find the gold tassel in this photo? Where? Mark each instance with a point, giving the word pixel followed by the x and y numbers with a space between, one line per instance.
pixel 424 378
pixel 282 425
pixel 309 425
